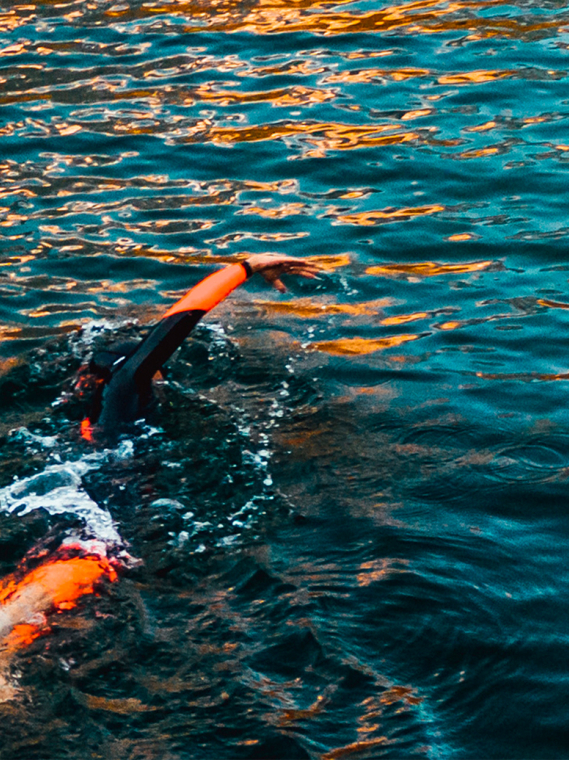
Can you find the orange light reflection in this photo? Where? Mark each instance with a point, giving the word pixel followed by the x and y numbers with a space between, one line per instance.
pixel 403 319
pixel 366 76
pixel 428 269
pixel 281 212
pixel 552 304
pixel 478 77
pixel 329 263
pixel 289 96
pixel 355 748
pixel 324 136
pixel 461 237
pixel 369 218
pixel 359 346
pixel 304 308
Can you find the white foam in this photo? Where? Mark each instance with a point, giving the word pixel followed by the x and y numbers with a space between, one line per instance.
pixel 43 441
pixel 59 490
pixel 81 342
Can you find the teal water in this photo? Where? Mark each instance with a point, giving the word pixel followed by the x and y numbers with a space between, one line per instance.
pixel 349 524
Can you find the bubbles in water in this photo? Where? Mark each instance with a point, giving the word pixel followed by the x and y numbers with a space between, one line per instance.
pixel 82 341
pixel 58 489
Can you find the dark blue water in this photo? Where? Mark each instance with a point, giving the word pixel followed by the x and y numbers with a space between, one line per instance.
pixel 350 519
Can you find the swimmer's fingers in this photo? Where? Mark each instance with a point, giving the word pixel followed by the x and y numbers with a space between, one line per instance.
pixel 275 281
pixel 272 275
pixel 272 266
pixel 307 270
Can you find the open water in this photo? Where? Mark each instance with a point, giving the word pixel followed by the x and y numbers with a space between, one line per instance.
pixel 348 529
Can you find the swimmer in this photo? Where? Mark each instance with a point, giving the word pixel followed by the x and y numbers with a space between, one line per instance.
pixel 124 381
pixel 123 391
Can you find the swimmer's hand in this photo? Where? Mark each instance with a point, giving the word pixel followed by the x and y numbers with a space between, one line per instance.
pixel 271 266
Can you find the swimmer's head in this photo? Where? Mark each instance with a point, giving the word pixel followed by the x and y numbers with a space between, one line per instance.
pixel 85 396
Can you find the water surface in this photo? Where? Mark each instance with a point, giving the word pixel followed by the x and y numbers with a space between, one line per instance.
pixel 350 518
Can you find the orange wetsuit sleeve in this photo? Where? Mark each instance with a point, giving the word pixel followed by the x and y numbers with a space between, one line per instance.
pixel 56 585
pixel 211 291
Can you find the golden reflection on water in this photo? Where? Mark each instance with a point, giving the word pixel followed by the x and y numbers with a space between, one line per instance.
pixel 310 16
pixel 491 150
pixel 482 127
pixel 120 706
pixel 477 77
pixel 373 717
pixel 33 333
pixel 360 346
pixel 428 268
pixel 424 16
pixel 367 76
pixel 452 325
pixel 103 90
pixel 316 138
pixel 552 304
pixel 461 236
pixel 355 748
pixel 331 262
pixel 368 218
pixel 12 261
pixel 403 319
pixel 281 212
pixel 305 308
pixel 286 96
pixel 379 569
pixel 400 693
pixel 323 136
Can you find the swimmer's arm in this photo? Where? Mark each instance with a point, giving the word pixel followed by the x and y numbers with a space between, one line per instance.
pixel 183 316
pixel 211 291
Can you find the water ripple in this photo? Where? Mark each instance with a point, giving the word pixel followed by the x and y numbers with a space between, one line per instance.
pixel 375 464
